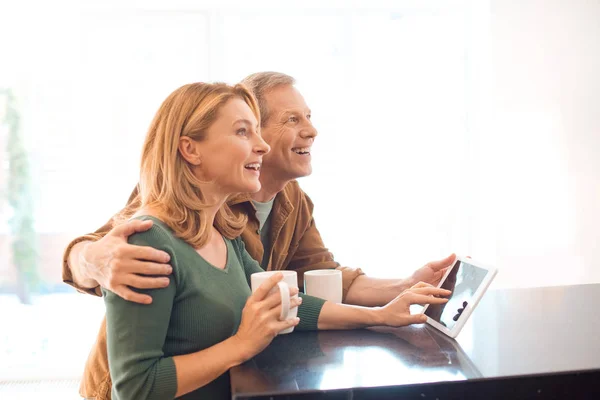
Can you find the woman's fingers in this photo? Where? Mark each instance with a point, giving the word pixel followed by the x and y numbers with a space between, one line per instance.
pixel 431 291
pixel 416 319
pixel 278 326
pixel 276 311
pixel 274 299
pixel 263 290
pixel 414 298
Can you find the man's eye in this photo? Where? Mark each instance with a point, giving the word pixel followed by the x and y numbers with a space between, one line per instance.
pixel 293 119
pixel 308 116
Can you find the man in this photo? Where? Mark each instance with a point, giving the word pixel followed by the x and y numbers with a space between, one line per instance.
pixel 280 234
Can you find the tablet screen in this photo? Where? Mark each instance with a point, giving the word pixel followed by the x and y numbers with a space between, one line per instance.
pixel 463 280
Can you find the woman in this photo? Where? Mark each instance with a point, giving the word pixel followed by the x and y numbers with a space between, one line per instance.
pixel 203 146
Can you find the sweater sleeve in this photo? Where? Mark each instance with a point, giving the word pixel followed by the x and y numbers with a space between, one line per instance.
pixel 309 310
pixel 136 334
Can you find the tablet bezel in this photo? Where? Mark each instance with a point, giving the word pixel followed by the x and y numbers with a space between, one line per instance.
pixel 455 330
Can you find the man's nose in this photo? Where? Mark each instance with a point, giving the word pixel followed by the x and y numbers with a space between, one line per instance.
pixel 308 131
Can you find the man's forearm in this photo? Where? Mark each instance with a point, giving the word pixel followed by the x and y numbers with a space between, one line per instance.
pixel 372 292
pixel 344 316
pixel 77 269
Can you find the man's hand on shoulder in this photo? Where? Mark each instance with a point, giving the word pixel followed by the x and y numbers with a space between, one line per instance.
pixel 117 265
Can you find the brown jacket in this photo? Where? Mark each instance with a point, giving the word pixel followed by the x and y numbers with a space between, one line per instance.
pixel 295 242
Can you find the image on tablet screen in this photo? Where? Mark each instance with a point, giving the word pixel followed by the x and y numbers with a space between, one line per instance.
pixel 463 281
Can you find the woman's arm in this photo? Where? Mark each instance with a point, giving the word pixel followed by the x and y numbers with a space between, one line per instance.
pixel 138 367
pixel 316 313
pixel 395 313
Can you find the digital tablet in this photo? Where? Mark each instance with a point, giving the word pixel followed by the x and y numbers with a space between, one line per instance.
pixel 468 280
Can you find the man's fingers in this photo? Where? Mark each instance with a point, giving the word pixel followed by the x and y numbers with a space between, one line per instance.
pixel 144 282
pixel 145 253
pixel 266 286
pixel 130 295
pixel 147 268
pixel 130 227
pixel 441 264
pixel 421 285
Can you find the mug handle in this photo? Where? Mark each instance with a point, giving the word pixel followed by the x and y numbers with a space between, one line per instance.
pixel 284 291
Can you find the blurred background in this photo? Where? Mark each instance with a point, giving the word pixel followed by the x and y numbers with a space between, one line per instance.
pixel 466 126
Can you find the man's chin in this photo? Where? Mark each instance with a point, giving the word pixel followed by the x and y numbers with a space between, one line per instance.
pixel 289 173
pixel 300 174
pixel 306 172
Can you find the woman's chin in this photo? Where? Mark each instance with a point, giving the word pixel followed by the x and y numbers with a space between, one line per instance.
pixel 249 187
pixel 254 188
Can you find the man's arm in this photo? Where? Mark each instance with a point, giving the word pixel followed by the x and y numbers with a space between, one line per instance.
pixel 105 259
pixel 73 266
pixel 73 272
pixel 373 292
pixel 358 288
pixel 370 292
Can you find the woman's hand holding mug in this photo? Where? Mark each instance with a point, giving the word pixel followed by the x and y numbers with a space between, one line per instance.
pixel 266 314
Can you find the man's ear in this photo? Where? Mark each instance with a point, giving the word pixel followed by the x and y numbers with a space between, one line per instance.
pixel 190 150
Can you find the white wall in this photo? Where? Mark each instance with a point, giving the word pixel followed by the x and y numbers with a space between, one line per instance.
pixel 541 188
pixel 481 123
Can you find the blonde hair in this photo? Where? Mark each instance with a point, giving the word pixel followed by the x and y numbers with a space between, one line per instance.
pixel 260 83
pixel 167 182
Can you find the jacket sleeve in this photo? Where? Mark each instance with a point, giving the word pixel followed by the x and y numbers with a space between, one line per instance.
pixel 67 275
pixel 312 254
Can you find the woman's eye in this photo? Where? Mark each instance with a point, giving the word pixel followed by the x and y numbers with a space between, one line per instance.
pixel 242 131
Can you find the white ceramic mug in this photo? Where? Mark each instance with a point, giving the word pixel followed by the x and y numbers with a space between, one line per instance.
pixel 324 283
pixel 290 280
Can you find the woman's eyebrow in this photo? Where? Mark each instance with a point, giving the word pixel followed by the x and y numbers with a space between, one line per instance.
pixel 242 120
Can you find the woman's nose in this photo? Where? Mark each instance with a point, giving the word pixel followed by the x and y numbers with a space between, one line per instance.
pixel 261 146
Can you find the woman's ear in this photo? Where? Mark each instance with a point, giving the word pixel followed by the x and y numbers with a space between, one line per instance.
pixel 190 150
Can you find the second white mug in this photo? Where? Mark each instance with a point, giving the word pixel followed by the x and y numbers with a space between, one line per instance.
pixel 324 283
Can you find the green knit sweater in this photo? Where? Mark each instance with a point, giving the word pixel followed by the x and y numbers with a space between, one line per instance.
pixel 201 307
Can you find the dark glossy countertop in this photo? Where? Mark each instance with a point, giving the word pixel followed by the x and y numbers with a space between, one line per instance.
pixel 513 333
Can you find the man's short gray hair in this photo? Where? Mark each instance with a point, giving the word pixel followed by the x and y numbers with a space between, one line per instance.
pixel 260 83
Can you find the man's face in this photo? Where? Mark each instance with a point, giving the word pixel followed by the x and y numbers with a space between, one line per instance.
pixel 289 132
